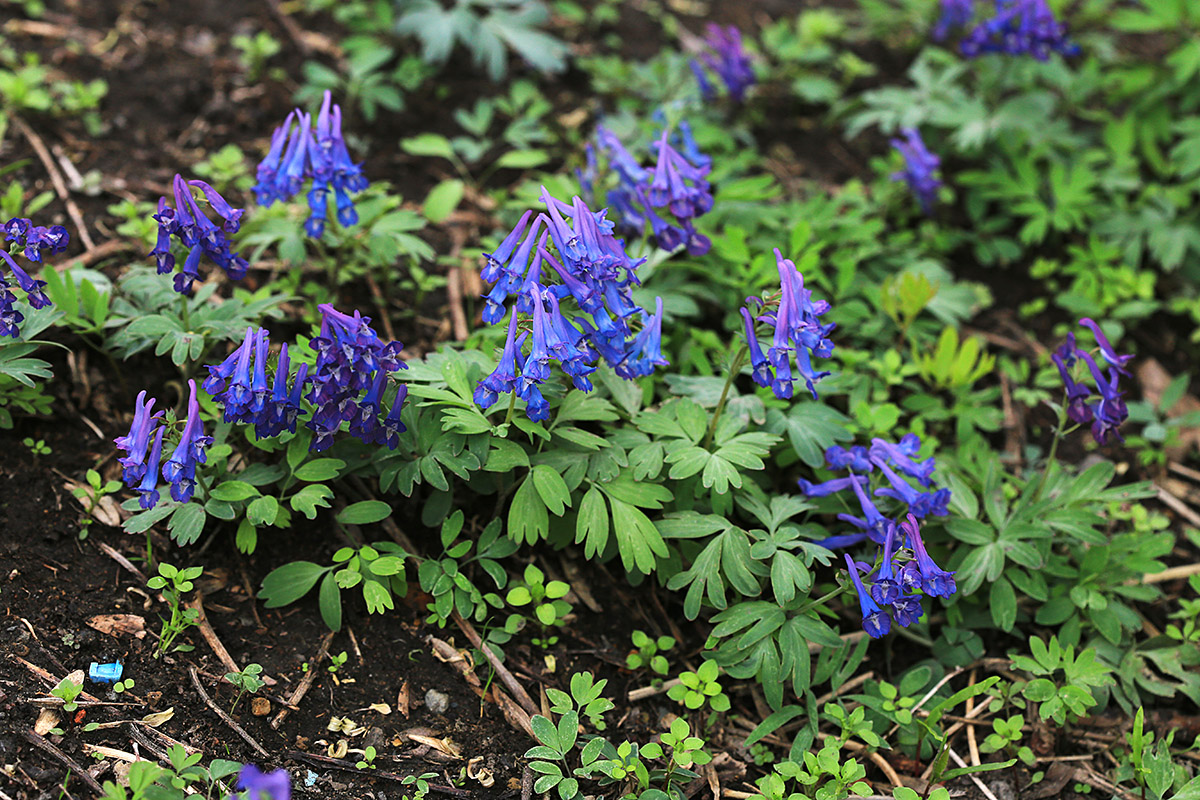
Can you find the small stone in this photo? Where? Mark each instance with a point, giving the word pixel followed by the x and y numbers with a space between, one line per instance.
pixel 436 701
pixel 260 706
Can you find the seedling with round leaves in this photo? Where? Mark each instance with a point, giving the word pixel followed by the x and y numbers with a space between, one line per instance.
pixel 545 597
pixel 695 688
pixel 649 652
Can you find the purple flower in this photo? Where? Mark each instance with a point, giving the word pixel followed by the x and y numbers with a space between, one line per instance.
pixel 933 580
pixel 187 222
pixel 180 469
pixel 900 456
pixel 137 440
pixel 855 458
pixel 886 589
pixel 955 14
pixel 875 621
pixel 1019 27
pixel 148 488
pixel 316 152
pixel 920 168
pixel 504 376
pixel 829 487
pixel 260 785
pixel 873 522
pixel 646 352
pixel 32 288
pixel 1108 412
pixel 797 329
pixel 10 318
pixel 391 427
pixel 728 59
pixel 36 239
pixel 907 609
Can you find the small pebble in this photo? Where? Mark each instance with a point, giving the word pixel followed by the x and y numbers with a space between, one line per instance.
pixel 436 701
pixel 260 706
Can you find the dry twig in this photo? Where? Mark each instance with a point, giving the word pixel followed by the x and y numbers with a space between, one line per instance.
pixel 502 671
pixel 348 766
pixel 305 683
pixel 228 720
pixel 71 764
pixel 56 178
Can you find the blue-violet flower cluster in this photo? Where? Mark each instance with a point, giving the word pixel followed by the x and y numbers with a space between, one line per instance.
pixel 36 239
pixel 593 272
pixel 1018 27
pixel 728 59
pixel 301 152
pixel 199 235
pixel 920 168
pixel 143 460
pixel 10 318
pixel 896 463
pixel 890 591
pixel 1102 405
pixel 346 385
pixel 797 327
pixel 675 187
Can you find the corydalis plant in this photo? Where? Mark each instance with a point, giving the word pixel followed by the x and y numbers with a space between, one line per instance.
pixel 726 57
pixel 10 318
pixel 796 328
pixel 676 186
pixel 36 239
pixel 301 152
pixel 920 168
pixel 199 235
pixel 1102 404
pixel 1017 27
pixel 897 464
pixel 347 384
pixel 890 590
pixel 595 274
pixel 143 460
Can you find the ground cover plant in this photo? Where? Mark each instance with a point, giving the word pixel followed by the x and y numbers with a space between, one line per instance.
pixel 590 399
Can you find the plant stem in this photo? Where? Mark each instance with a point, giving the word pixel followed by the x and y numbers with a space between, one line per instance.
pixel 1053 454
pixel 512 404
pixel 734 370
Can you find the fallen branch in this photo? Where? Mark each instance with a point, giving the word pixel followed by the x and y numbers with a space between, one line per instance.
pixel 305 683
pixel 228 720
pixel 122 560
pixel 71 764
pixel 349 766
pixel 518 691
pixel 210 636
pixel 56 178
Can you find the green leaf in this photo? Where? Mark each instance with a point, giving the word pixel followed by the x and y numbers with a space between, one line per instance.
pixel 591 523
pixel 187 523
pixel 329 601
pixel 522 159
pixel 289 583
pixel 262 511
pixel 233 491
pixel 1003 604
pixel 310 498
pixel 321 469
pixel 443 199
pixel 637 539
pixel 552 488
pixel 428 144
pixel 528 520
pixel 364 512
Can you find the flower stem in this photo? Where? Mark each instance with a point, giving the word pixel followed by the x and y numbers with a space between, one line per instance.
pixel 512 404
pixel 1051 457
pixel 734 370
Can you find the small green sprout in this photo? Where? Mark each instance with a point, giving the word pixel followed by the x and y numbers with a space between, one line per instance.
pixel 68 690
pixel 649 652
pixel 696 687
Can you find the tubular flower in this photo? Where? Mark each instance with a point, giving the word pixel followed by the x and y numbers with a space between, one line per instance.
pixel 589 273
pixel 1107 411
pixel 728 59
pixel 677 183
pixel 137 440
pixel 922 571
pixel 180 469
pixel 34 294
pixel 148 488
pixel 886 589
pixel 797 329
pixel 1019 27
pixel 10 318
pixel 306 150
pixel 199 235
pixel 920 168
pixel 875 620
pixel 36 239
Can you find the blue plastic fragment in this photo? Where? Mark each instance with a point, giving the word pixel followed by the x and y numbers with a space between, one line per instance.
pixel 310 779
pixel 105 673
